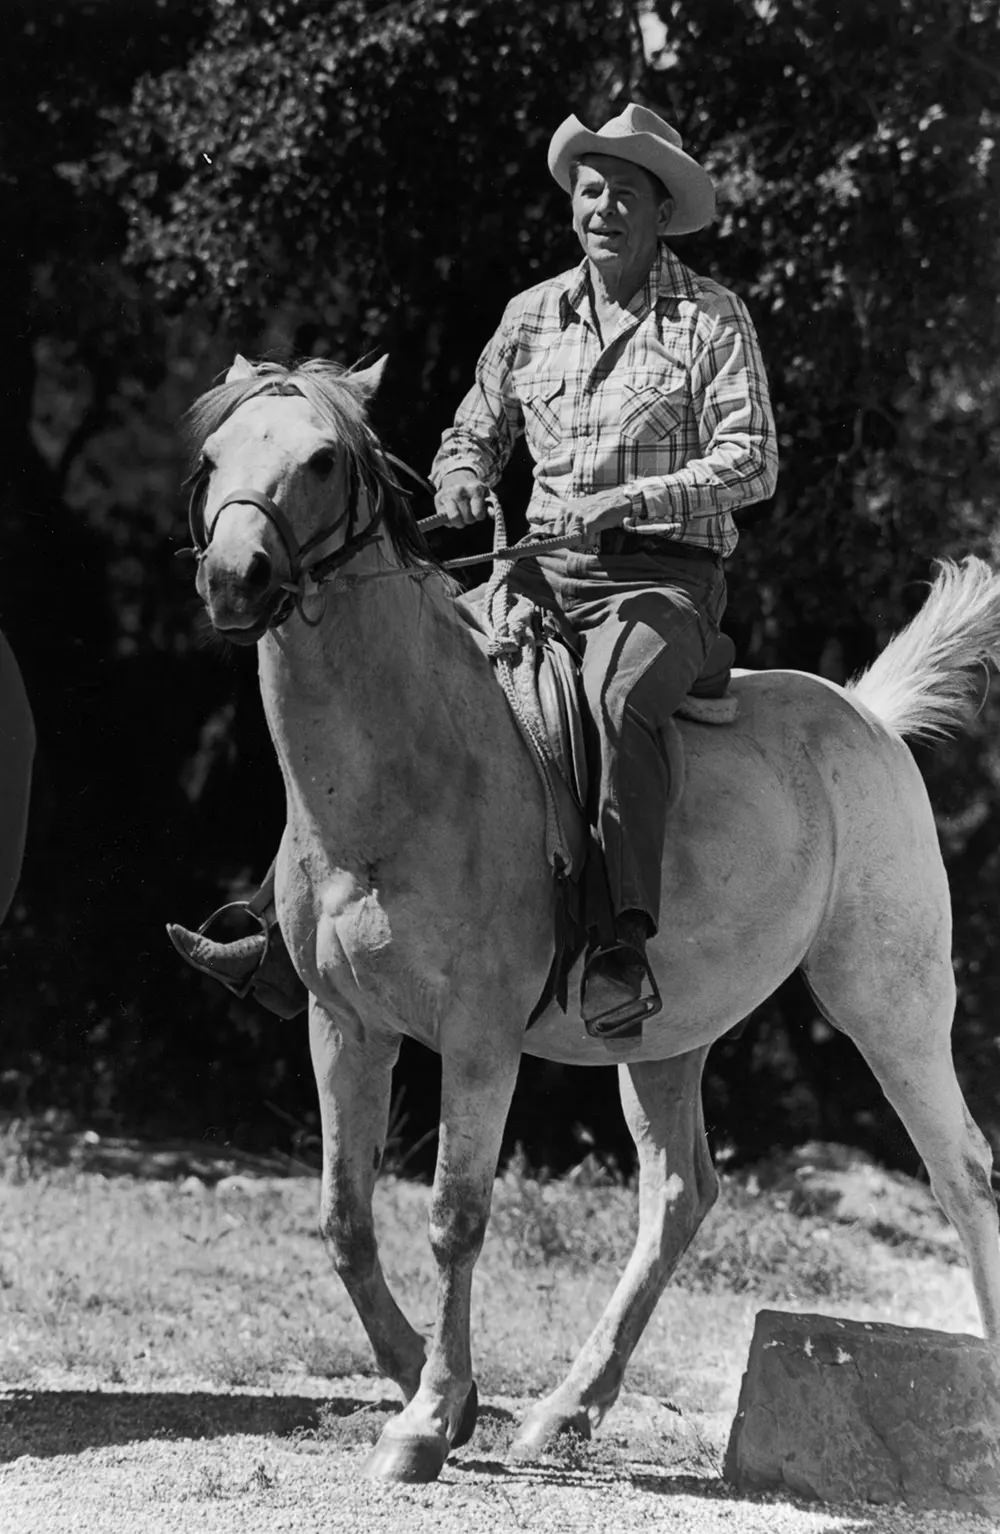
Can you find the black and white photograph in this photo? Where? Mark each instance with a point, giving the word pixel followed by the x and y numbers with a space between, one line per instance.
pixel 500 767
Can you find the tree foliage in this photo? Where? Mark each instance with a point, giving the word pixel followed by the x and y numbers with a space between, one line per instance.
pixel 367 176
pixel 855 151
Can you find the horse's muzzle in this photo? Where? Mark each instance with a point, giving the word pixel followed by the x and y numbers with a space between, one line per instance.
pixel 242 600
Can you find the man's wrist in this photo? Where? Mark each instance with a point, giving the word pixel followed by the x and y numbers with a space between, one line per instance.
pixel 636 502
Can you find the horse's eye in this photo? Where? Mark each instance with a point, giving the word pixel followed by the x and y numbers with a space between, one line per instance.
pixel 321 463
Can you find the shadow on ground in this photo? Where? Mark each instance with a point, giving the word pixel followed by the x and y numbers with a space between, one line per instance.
pixel 44 1423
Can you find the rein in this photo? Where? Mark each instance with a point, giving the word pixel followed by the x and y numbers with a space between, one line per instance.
pixel 321 570
pixel 500 550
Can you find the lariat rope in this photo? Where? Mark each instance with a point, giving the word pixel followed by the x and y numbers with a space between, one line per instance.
pixel 514 663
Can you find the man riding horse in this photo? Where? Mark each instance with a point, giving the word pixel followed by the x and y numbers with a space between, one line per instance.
pixel 640 390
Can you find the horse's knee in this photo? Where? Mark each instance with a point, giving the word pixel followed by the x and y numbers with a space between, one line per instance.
pixel 456 1231
pixel 349 1237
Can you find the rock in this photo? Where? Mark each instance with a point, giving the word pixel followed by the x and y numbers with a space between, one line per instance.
pixel 847 1411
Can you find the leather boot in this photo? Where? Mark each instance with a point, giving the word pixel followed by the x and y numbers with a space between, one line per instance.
pixel 258 965
pixel 618 990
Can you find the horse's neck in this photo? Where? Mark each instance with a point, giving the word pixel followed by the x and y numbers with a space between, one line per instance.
pixel 375 712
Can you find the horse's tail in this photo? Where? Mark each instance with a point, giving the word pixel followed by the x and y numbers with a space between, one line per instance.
pixel 930 676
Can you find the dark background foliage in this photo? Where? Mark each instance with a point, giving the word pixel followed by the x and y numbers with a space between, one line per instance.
pixel 181 181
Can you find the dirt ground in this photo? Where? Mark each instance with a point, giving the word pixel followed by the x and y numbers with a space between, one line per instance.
pixel 126 1462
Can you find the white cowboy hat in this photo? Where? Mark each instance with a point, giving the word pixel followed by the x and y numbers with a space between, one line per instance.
pixel 637 134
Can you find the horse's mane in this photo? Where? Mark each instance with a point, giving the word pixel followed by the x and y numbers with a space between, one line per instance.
pixel 341 406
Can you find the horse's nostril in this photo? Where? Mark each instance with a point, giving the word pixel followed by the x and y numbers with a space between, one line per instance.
pixel 259 571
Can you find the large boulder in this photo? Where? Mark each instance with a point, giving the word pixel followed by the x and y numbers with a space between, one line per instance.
pixel 846 1411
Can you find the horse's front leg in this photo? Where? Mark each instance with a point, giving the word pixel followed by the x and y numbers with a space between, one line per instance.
pixel 677 1187
pixel 353 1077
pixel 476 1088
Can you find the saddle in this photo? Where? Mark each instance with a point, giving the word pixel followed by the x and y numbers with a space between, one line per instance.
pixel 550 708
pixel 560 702
pixel 584 907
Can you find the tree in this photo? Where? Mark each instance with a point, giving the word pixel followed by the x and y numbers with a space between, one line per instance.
pixel 853 147
pixel 352 178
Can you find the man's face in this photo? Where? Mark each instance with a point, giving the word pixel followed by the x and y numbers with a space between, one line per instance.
pixel 618 214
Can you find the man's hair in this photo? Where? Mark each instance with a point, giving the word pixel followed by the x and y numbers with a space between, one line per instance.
pixel 659 189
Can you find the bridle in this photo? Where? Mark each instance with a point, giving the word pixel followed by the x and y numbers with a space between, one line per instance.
pixel 300 572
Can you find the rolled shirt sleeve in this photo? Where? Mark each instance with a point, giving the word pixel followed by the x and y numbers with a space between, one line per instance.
pixel 488 421
pixel 738 462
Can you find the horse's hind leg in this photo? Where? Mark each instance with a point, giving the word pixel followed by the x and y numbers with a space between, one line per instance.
pixel 894 995
pixel 677 1187
pixel 353 1080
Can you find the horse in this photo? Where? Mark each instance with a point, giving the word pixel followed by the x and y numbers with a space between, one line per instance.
pixel 415 898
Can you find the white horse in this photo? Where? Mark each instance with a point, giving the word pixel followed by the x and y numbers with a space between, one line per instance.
pixel 414 895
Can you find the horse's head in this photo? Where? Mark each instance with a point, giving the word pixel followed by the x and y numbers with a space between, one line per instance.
pixel 288 474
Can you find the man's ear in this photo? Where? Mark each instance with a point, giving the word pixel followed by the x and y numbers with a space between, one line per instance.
pixel 666 213
pixel 241 368
pixel 367 380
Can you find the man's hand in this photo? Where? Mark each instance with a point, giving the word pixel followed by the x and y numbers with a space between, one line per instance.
pixel 462 498
pixel 591 514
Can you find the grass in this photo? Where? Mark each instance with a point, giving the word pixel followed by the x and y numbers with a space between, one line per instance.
pixel 174 1345
pixel 135 1282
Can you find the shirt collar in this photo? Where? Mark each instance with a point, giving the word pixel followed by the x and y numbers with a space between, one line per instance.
pixel 668 278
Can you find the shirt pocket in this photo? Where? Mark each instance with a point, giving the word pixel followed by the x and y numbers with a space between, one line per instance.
pixel 542 396
pixel 652 409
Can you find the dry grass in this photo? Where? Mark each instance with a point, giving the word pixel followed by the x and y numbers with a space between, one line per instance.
pixel 132 1282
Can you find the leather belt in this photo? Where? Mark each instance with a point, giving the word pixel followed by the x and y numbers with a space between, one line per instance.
pixel 618 540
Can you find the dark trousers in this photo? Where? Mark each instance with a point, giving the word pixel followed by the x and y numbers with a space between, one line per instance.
pixel 645 613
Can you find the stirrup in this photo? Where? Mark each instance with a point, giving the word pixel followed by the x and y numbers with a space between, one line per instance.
pixel 239 988
pixel 626 1019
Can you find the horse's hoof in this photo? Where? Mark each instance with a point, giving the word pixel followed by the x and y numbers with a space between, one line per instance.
pixel 467 1421
pixel 546 1434
pixel 406 1459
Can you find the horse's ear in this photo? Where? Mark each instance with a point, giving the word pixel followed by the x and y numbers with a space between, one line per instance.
pixel 241 368
pixel 367 380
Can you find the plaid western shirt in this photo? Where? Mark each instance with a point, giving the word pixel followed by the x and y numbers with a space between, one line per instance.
pixel 674 408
